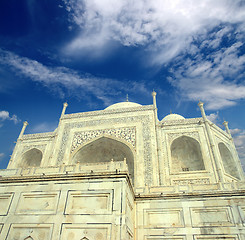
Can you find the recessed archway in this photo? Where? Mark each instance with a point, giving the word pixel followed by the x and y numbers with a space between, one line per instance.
pixel 103 150
pixel 31 158
pixel 186 155
pixel 228 161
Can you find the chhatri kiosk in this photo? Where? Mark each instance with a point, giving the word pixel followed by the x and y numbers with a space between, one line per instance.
pixel 121 174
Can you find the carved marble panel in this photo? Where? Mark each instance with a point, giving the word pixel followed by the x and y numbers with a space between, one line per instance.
pixel 162 218
pixel 89 202
pixel 85 231
pixel 38 203
pixel 211 216
pixel 193 134
pixel 197 181
pixel 30 231
pixel 5 202
pixel 40 147
pixel 128 134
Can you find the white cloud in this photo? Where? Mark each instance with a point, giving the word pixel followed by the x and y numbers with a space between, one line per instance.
pixel 213 117
pixel 4 115
pixel 44 127
pixel 217 79
pixel 57 77
pixel 239 140
pixel 1 156
pixel 167 27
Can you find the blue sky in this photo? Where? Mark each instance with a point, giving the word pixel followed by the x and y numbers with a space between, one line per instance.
pixel 91 53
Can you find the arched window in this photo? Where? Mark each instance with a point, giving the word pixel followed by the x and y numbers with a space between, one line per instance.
pixel 31 158
pixel 103 150
pixel 84 238
pixel 186 155
pixel 228 161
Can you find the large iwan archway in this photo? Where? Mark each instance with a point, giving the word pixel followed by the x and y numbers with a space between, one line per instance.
pixel 186 155
pixel 103 150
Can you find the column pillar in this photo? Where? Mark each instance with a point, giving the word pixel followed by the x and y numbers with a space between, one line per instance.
pixel 23 129
pixel 211 141
pixel 65 104
pixel 225 123
pixel 158 142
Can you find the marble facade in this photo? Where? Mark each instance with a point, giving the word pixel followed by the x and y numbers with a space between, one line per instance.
pixel 120 173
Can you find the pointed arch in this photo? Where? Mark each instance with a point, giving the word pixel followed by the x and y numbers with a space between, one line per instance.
pixel 228 160
pixel 31 158
pixel 186 155
pixel 29 238
pixel 103 149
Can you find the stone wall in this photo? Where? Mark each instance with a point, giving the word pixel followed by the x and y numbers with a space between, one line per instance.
pixel 74 208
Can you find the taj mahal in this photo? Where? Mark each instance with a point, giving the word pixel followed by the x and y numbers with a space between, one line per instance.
pixel 123 174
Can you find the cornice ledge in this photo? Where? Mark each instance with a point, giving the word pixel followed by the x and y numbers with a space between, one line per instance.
pixel 107 112
pixel 182 122
pixel 210 194
pixel 38 135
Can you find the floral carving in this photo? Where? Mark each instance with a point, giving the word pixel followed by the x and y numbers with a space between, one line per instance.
pixel 194 134
pixel 128 134
pixel 39 147
pixel 192 181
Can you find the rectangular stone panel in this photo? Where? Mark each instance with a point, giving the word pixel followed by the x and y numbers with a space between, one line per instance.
pixel 89 202
pixel 5 202
pixel 242 213
pixel 211 216
pixel 163 218
pixel 47 170
pixel 215 237
pixel 86 231
pixel 30 231
pixel 164 237
pixel 38 203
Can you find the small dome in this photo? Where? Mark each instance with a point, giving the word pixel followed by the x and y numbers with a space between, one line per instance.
pixel 173 117
pixel 123 105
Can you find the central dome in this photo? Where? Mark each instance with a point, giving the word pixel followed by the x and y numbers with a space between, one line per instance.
pixel 123 105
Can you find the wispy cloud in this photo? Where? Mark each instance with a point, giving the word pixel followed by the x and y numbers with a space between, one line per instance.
pixel 166 27
pixel 44 127
pixel 201 42
pixel 4 115
pixel 61 79
pixel 214 117
pixel 216 78
pixel 1 156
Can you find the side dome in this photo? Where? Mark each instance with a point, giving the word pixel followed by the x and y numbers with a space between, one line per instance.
pixel 172 117
pixel 123 105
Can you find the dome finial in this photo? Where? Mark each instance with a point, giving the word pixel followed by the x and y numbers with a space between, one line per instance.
pixel 126 97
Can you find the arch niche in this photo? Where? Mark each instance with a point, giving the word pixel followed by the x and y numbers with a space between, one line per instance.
pixel 32 158
pixel 186 155
pixel 29 238
pixel 228 161
pixel 103 150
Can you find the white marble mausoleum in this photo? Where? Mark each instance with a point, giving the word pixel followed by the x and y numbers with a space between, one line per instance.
pixel 123 174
